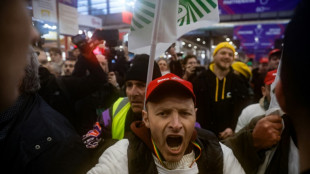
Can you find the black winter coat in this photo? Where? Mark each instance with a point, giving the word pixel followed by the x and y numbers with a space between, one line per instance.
pixel 41 140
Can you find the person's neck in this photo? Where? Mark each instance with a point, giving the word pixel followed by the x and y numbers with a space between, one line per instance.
pixel 220 73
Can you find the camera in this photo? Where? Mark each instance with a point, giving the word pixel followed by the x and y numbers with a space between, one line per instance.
pixel 110 36
pixel 80 41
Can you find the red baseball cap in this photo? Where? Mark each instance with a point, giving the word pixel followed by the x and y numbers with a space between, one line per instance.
pixel 270 77
pixel 273 52
pixel 169 82
pixel 264 60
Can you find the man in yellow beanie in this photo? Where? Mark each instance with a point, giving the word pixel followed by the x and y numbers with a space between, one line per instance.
pixel 221 94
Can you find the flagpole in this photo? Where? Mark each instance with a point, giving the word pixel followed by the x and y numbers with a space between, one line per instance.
pixel 153 44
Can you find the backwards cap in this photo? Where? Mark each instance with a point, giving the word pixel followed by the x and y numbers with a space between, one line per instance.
pixel 270 77
pixel 224 45
pixel 169 81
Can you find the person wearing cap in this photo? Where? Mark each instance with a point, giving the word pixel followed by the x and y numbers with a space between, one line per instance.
pixel 221 94
pixel 257 109
pixel 166 140
pixel 274 59
pixel 263 142
pixel 115 121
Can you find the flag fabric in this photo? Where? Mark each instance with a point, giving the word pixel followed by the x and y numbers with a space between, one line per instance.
pixel 175 18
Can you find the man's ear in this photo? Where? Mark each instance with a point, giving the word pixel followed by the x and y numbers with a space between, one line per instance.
pixel 145 119
pixel 280 95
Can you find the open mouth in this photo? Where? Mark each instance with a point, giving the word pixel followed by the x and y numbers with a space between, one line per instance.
pixel 174 142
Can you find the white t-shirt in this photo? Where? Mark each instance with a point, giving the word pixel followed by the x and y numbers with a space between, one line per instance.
pixel 247 114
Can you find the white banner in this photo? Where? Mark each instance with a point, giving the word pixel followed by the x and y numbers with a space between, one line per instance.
pixel 176 18
pixel 45 10
pixel 90 21
pixel 68 20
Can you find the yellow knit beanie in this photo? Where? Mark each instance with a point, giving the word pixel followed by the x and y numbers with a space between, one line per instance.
pixel 224 45
pixel 242 68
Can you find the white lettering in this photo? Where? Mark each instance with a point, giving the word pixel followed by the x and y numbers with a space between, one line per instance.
pixel 158 81
pixel 230 2
pixel 245 32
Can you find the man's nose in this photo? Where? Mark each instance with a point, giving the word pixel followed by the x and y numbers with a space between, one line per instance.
pixel 135 90
pixel 34 34
pixel 175 122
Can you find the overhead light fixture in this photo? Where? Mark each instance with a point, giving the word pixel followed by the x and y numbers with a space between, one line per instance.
pixel 228 39
pixel 203 55
pixel 203 42
pixel 198 39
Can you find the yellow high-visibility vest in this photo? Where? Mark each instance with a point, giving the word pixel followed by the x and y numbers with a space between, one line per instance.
pixel 119 112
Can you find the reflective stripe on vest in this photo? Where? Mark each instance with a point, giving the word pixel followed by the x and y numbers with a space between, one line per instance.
pixel 120 109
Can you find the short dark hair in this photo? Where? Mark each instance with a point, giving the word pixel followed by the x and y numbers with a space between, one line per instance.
pixel 186 58
pixel 55 50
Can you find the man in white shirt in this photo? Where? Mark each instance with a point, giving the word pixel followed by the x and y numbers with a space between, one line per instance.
pixel 166 141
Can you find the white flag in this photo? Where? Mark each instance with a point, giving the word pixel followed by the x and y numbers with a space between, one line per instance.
pixel 176 17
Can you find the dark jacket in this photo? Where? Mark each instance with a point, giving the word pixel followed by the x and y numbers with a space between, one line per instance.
pixel 219 108
pixel 78 96
pixel 140 158
pixel 257 82
pixel 242 146
pixel 40 140
pixel 251 158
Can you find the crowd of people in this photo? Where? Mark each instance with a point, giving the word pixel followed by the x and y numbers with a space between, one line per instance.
pixel 90 114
